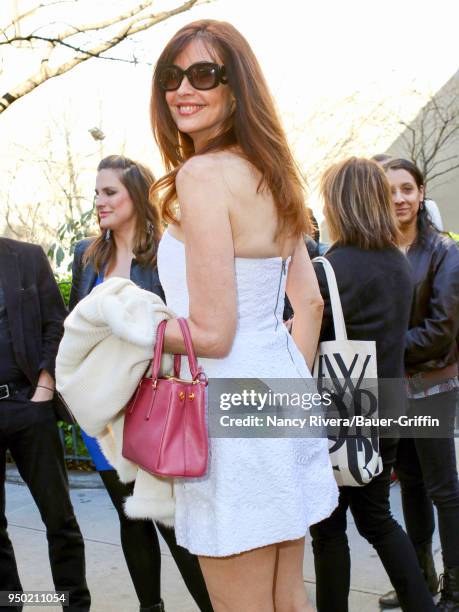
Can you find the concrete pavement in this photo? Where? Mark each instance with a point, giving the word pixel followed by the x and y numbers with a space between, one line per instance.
pixel 108 578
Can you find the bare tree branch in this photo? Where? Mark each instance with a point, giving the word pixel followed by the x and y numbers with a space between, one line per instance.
pixel 53 42
pixel 105 23
pixel 72 30
pixel 443 172
pixel 18 18
pixel 136 23
pixel 432 139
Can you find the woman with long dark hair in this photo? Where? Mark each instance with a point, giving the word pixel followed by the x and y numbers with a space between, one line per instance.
pixel 375 288
pixel 426 466
pixel 234 200
pixel 130 231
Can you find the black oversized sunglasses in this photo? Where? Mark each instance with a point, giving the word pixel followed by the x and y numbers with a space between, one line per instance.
pixel 202 75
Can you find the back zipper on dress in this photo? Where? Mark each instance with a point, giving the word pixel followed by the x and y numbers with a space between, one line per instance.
pixel 283 271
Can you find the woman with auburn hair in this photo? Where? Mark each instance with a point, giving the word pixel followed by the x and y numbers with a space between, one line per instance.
pixel 375 287
pixel 426 466
pixel 130 231
pixel 234 200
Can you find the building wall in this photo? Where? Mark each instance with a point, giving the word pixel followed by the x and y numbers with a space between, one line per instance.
pixel 444 189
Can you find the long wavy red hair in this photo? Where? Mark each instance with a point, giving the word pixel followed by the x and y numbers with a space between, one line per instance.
pixel 253 127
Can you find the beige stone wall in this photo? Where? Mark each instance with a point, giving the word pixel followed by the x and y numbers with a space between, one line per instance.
pixel 444 189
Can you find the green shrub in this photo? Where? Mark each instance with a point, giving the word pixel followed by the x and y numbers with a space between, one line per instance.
pixel 64 282
pixel 80 449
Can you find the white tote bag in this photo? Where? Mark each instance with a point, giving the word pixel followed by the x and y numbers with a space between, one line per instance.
pixel 348 370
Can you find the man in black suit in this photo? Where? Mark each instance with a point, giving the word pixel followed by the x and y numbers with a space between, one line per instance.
pixel 31 318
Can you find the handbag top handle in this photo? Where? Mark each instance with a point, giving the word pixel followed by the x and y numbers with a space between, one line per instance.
pixel 335 301
pixel 195 369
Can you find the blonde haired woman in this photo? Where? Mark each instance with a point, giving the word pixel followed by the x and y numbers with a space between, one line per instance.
pixel 375 287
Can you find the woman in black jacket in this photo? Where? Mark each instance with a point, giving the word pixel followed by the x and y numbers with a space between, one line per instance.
pixel 126 246
pixel 426 466
pixel 375 288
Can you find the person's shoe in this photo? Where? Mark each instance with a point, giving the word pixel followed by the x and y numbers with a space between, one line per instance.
pixel 389 600
pixel 426 563
pixel 449 600
pixel 159 607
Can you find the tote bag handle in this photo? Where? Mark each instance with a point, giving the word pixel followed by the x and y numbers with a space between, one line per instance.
pixel 195 369
pixel 335 301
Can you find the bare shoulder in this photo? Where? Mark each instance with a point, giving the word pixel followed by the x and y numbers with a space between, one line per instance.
pixel 199 168
pixel 223 167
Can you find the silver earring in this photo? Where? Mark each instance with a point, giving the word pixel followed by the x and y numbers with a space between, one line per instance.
pixel 149 228
pixel 108 233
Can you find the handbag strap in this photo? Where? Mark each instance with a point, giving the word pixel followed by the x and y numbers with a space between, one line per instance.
pixel 158 352
pixel 196 371
pixel 335 301
pixel 177 365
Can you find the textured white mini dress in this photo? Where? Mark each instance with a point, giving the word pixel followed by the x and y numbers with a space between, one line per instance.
pixel 257 491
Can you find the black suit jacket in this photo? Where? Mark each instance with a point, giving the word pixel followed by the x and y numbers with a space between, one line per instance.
pixel 376 291
pixel 84 276
pixel 34 306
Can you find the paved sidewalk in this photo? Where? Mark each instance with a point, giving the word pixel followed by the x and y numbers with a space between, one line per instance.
pixel 108 578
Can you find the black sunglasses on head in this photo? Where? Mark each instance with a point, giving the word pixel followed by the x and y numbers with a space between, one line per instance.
pixel 202 75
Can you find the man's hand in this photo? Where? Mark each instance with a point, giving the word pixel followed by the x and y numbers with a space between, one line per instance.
pixel 42 395
pixel 44 390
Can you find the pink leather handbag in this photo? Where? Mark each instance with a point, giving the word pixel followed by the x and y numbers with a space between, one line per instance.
pixel 165 429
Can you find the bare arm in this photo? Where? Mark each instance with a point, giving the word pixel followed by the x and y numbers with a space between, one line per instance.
pixel 204 207
pixel 304 295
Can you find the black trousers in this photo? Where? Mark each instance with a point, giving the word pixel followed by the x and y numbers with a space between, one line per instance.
pixel 370 508
pixel 30 432
pixel 427 470
pixel 142 552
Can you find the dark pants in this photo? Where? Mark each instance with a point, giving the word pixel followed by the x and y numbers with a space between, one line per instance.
pixel 370 508
pixel 30 432
pixel 141 550
pixel 427 470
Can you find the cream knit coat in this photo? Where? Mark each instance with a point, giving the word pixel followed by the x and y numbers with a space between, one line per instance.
pixel 107 346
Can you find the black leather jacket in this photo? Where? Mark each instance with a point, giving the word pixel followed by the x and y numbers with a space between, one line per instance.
pixel 434 323
pixel 84 277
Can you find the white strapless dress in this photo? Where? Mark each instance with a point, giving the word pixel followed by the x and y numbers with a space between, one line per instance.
pixel 257 491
